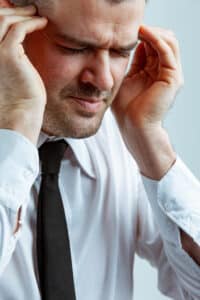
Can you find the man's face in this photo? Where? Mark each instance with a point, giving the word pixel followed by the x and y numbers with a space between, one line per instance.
pixel 82 56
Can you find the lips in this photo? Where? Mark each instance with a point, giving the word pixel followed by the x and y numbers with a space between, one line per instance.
pixel 91 105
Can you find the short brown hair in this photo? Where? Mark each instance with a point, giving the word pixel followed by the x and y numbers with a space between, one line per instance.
pixel 27 2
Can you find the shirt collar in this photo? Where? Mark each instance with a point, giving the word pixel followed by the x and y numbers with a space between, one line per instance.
pixel 78 148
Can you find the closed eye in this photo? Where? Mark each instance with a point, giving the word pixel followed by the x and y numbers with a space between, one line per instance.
pixel 122 53
pixel 71 50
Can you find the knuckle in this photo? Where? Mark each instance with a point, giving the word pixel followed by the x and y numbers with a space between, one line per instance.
pixel 157 41
pixel 3 19
pixel 6 52
pixel 179 82
pixel 15 28
pixel 174 39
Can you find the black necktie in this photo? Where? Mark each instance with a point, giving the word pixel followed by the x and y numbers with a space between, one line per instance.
pixel 53 247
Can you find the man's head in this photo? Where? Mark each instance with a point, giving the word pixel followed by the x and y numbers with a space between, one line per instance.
pixel 82 56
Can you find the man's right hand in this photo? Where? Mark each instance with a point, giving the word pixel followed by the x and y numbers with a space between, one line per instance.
pixel 22 92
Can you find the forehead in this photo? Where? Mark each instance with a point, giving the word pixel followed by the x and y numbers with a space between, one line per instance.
pixel 96 20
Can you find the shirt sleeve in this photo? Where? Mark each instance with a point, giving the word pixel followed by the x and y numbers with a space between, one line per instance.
pixel 174 202
pixel 19 166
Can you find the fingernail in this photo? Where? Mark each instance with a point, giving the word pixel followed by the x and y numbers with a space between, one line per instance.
pixel 141 29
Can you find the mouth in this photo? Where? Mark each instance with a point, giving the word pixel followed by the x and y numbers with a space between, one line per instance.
pixel 92 105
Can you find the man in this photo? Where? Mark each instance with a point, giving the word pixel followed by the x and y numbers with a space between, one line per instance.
pixel 60 71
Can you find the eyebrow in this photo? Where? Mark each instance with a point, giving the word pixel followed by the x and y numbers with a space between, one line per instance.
pixel 89 44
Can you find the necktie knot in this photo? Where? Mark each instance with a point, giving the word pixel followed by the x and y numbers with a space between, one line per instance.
pixel 51 154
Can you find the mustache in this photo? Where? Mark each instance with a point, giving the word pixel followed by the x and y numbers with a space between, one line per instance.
pixel 84 90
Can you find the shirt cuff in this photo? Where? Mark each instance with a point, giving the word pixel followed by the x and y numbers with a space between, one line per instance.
pixel 175 200
pixel 19 163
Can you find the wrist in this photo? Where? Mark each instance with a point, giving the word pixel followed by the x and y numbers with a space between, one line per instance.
pixel 152 151
pixel 27 123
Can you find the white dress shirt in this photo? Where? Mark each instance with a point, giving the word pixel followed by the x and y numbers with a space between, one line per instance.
pixel 112 213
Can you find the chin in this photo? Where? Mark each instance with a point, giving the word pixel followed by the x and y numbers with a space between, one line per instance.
pixel 77 128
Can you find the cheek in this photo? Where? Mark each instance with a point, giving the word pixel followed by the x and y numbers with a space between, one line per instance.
pixel 57 68
pixel 119 72
pixel 51 65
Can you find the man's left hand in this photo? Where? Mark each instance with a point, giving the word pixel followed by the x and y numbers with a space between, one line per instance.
pixel 146 94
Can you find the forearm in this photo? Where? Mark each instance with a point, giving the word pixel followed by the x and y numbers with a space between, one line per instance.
pixel 175 204
pixel 19 168
pixel 155 156
pixel 153 151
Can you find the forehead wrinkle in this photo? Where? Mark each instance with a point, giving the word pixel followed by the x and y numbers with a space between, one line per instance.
pixel 98 22
pixel 98 38
pixel 81 11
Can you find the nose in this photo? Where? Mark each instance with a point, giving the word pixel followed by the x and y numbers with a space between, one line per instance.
pixel 98 71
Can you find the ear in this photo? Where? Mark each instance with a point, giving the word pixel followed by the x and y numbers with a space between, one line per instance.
pixel 5 3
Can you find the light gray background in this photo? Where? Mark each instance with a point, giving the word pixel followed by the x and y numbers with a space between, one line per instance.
pixel 182 123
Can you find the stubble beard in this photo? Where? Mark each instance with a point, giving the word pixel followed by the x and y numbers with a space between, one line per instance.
pixel 62 119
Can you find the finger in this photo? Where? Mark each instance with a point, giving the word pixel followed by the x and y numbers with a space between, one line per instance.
pixel 165 53
pixel 6 22
pixel 139 60
pixel 149 50
pixel 18 31
pixel 152 60
pixel 18 11
pixel 170 39
pixel 168 52
pixel 173 43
